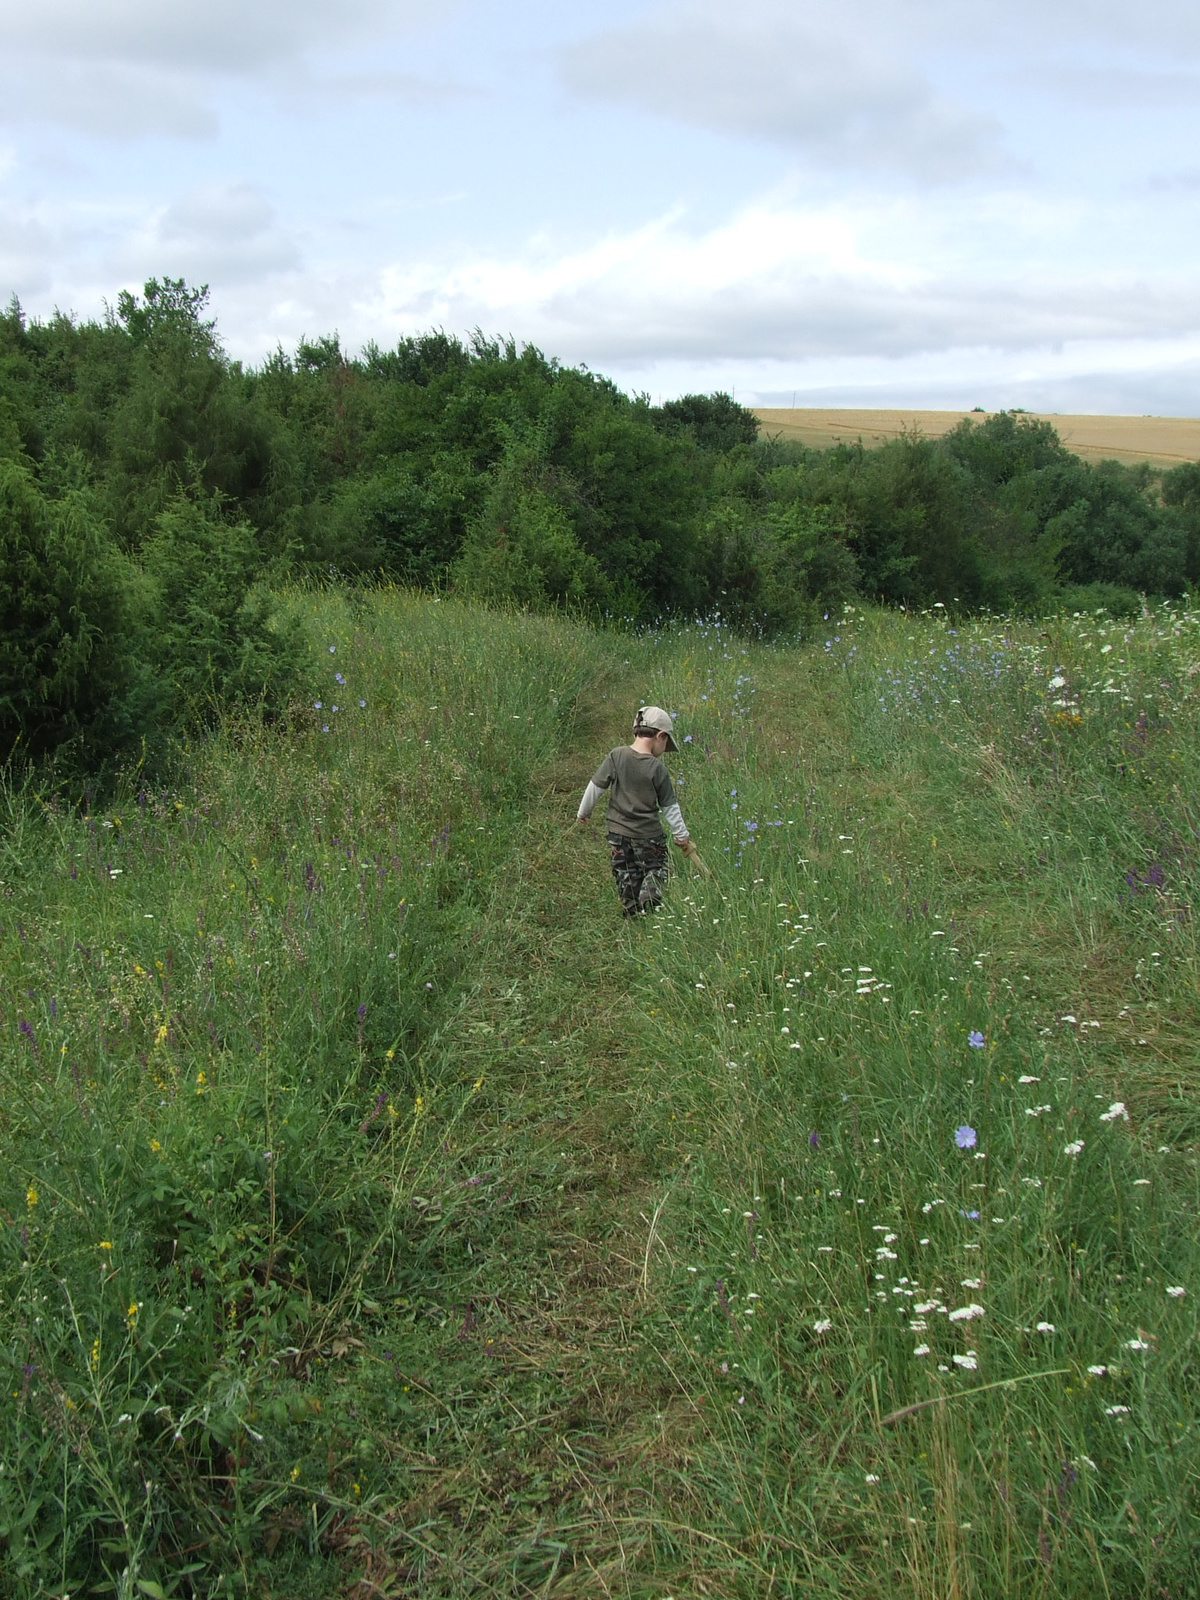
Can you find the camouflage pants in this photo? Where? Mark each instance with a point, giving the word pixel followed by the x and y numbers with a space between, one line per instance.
pixel 639 869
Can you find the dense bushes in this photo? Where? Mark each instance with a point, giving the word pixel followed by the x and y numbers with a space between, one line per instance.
pixel 153 489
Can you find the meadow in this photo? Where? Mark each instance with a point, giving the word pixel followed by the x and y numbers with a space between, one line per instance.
pixel 383 1216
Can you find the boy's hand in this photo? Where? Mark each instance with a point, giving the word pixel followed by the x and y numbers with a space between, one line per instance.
pixel 686 845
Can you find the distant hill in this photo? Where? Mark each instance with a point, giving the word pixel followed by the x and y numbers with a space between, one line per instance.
pixel 1162 441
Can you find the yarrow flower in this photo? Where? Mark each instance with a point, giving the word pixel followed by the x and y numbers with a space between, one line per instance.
pixel 975 1039
pixel 822 1325
pixel 1176 1291
pixel 965 1137
pixel 969 1363
pixel 1046 1327
pixel 967 1313
pixel 1073 1149
pixel 1115 1112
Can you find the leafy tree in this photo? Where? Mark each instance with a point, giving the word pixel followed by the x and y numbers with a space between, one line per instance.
pixel 714 421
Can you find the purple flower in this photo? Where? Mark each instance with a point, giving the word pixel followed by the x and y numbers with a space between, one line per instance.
pixel 965 1137
pixel 337 678
pixel 975 1039
pixel 316 705
pixel 973 1215
pixel 814 1138
pixel 332 648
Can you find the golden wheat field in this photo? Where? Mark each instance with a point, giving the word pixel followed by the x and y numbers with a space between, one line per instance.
pixel 1163 441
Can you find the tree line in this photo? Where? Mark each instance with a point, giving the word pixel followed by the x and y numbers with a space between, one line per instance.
pixel 154 493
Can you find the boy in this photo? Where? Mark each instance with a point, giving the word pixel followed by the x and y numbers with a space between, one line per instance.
pixel 640 788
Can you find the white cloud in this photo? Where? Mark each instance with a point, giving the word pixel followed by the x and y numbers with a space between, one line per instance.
pixel 818 85
pixel 123 68
pixel 109 98
pixel 778 282
pixel 230 36
pixel 224 233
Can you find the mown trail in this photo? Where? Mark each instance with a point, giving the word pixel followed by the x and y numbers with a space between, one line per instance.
pixel 540 1483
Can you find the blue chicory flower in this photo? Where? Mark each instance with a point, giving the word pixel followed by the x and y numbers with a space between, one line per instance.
pixel 965 1137
pixel 975 1039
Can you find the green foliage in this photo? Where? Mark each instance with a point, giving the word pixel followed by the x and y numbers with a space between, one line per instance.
pixel 715 422
pixel 212 636
pixel 489 465
pixel 68 602
pixel 523 547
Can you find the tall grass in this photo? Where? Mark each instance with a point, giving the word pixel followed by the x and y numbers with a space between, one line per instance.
pixel 381 1210
pixel 221 1090
pixel 929 1257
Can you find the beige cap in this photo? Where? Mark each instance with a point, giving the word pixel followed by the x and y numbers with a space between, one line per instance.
pixel 653 719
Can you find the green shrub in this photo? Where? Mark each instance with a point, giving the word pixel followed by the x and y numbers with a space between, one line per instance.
pixel 70 604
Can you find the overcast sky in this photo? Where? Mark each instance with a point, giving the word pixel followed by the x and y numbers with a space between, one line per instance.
pixel 861 202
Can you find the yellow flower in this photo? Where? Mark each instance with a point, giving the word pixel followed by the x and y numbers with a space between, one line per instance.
pixel 31 1197
pixel 418 1107
pixel 155 1146
pixel 478 1084
pixel 295 1473
pixel 131 1314
pixel 201 1082
pixel 105 1244
pixel 95 1354
pixel 160 1036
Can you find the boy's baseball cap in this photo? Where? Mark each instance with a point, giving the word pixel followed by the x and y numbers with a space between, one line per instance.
pixel 653 719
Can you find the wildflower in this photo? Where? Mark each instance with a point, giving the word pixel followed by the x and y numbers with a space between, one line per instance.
pixel 814 1139
pixel 337 678
pixel 1073 1149
pixel 332 648
pixel 1046 1327
pixel 1176 1291
pixel 965 1137
pixel 105 1244
pixel 971 1283
pixel 31 1197
pixel 1116 1112
pixel 822 1325
pixel 362 703
pixel 921 1350
pixel 975 1039
pixel 972 1216
pixel 1136 1344
pixel 1098 1371
pixel 95 1354
pixel 969 1362
pixel 967 1313
pixel 316 705
pixel 1116 1411
pixel 871 1477
pixel 1028 1078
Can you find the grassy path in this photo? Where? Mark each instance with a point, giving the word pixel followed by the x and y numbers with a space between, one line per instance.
pixel 540 1482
